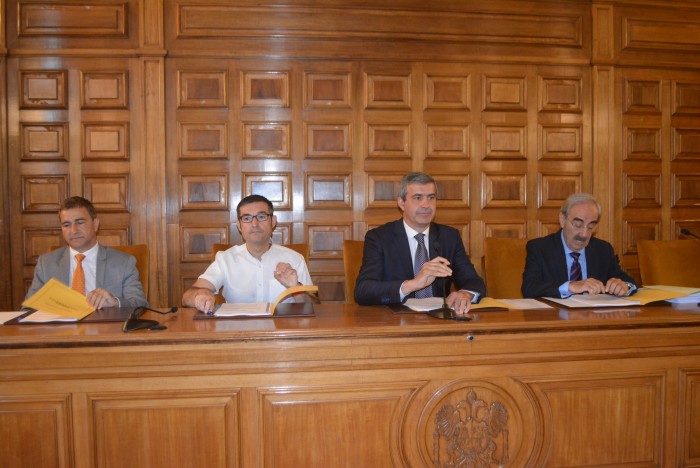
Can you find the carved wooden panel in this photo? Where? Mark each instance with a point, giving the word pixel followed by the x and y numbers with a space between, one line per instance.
pixel 327 90
pixel 47 141
pixel 447 92
pixel 107 192
pixel 265 88
pixel 686 144
pixel 504 142
pixel 276 187
pixel 327 140
pixel 556 187
pixel 326 241
pixel 504 93
pixel 203 140
pixel 86 19
pixel 39 241
pixel 388 141
pixel 547 228
pixel 104 90
pixel 686 189
pixel 202 89
pixel 505 230
pixel 642 191
pixel 638 230
pixel 452 191
pixel 620 403
pixel 204 192
pixel 36 430
pixel 147 428
pixel 560 94
pixel 503 190
pixel 561 142
pixel 196 241
pixel 282 234
pixel 113 235
pixel 382 190
pixel 642 144
pixel 331 288
pixel 688 409
pixel 655 33
pixel 448 142
pixel 642 97
pixel 43 193
pixel 386 91
pixel 266 140
pixel 105 140
pixel 43 89
pixel 292 416
pixel 686 98
pixel 328 191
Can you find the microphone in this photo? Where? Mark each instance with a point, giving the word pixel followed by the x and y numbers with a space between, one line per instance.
pixel 135 323
pixel 443 312
pixel 686 232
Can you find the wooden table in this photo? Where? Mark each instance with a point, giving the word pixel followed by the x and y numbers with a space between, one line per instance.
pixel 358 387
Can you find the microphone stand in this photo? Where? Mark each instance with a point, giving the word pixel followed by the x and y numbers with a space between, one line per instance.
pixel 134 322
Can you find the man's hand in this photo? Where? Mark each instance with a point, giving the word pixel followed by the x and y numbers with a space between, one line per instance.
pixel 285 274
pixel 435 268
pixel 617 287
pixel 589 285
pixel 99 298
pixel 460 301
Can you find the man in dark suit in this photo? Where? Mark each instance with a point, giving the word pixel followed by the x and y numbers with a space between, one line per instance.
pixel 110 277
pixel 572 261
pixel 393 267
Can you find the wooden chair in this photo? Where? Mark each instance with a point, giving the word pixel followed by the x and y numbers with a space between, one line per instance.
pixel 140 253
pixel 669 262
pixel 352 260
pixel 303 249
pixel 504 264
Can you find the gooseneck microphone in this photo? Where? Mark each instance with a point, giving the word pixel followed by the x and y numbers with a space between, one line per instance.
pixel 443 312
pixel 686 232
pixel 134 322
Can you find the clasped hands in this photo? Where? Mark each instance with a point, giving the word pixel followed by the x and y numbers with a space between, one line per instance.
pixel 439 267
pixel 100 297
pixel 614 286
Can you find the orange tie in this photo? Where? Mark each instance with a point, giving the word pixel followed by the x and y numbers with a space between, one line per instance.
pixel 79 275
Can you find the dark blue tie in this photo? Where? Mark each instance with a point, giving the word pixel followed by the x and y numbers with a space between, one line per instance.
pixel 575 274
pixel 421 258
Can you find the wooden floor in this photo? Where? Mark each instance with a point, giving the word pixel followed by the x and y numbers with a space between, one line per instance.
pixel 357 387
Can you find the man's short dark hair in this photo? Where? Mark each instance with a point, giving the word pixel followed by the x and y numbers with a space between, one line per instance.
pixel 418 178
pixel 78 202
pixel 253 199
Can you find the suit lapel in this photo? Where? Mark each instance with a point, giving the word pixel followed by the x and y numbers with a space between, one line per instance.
pixel 64 267
pixel 560 254
pixel 101 266
pixel 403 250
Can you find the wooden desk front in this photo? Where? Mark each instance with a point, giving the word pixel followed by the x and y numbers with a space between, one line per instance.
pixel 357 387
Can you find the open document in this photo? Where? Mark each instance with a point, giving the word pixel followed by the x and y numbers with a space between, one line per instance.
pixel 675 294
pixel 595 300
pixel 253 309
pixel 57 302
pixel 429 303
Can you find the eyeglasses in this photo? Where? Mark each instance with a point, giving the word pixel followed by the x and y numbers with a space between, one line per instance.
pixel 580 226
pixel 248 218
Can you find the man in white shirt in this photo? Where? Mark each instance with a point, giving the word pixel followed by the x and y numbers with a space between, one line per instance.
pixel 109 277
pixel 257 271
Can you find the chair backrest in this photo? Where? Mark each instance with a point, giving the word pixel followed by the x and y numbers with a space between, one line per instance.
pixel 140 253
pixel 504 264
pixel 352 260
pixel 669 262
pixel 303 249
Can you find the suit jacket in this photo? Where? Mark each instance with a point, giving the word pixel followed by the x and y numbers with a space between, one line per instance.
pixel 116 272
pixel 386 263
pixel 545 265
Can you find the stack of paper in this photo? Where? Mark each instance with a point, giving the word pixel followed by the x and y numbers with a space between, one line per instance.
pixel 677 294
pixel 56 302
pixel 254 309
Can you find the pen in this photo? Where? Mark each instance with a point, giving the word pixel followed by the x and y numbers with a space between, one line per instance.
pixel 209 312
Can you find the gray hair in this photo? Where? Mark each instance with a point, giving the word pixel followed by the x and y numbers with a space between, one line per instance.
pixel 577 199
pixel 418 178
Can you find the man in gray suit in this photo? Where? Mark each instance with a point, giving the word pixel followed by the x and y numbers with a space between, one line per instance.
pixel 111 277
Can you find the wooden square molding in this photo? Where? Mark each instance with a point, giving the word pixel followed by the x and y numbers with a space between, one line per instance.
pixel 197 241
pixel 643 144
pixel 503 190
pixel 266 140
pixel 265 89
pixel 327 241
pixel 557 187
pixel 504 142
pixel 560 94
pixel 387 91
pixel 686 144
pixel 44 141
pixel 204 192
pixel 65 19
pixel 382 190
pixel 327 90
pixel 43 193
pixel 642 97
pixel 447 92
pixel 203 140
pixel 642 191
pixel 107 192
pixel 274 187
pixel 559 142
pixel 202 89
pixel 448 142
pixel 389 141
pixel 43 89
pixel 504 93
pixel 105 140
pixel 104 90
pixel 327 140
pixel 39 241
pixel 328 191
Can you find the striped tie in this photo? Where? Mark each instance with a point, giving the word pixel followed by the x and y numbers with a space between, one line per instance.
pixel 79 275
pixel 575 268
pixel 421 258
